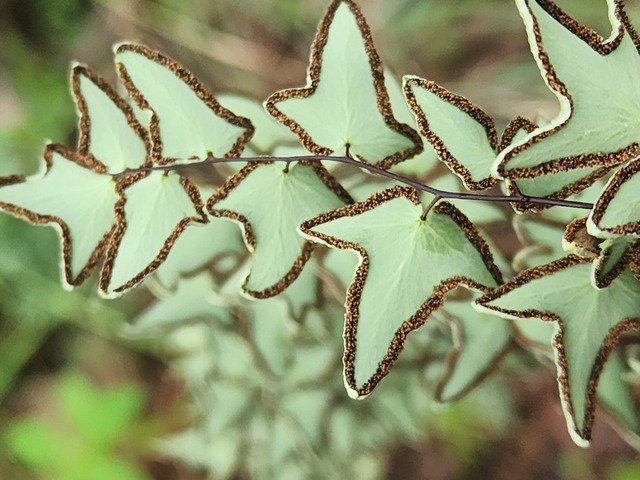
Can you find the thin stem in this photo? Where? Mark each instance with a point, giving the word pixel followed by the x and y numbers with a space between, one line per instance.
pixel 426 211
pixel 442 194
pixel 347 154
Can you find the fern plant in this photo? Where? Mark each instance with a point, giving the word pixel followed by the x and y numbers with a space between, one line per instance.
pixel 225 214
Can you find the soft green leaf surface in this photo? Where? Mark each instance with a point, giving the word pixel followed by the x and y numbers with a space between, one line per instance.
pixel 234 358
pixel 360 191
pixel 217 454
pixel 112 134
pixel 422 163
pixel 231 404
pixel 80 443
pixel 463 135
pixel 107 468
pixel 542 242
pixel 156 210
pixel 118 407
pixel 270 204
pixel 304 292
pixel 309 409
pixel 293 471
pixel 144 117
pixel 341 106
pixel 272 332
pixel 599 109
pixel 191 347
pixel 341 264
pixel 194 298
pixel 589 322
pixel 498 252
pixel 614 391
pixel 406 265
pixel 342 429
pixel 615 256
pixel 34 443
pixel 198 246
pixel 616 394
pixel 269 133
pixel 285 439
pixel 191 122
pixel 433 337
pixel 559 184
pixel 309 363
pixel 393 413
pixel 284 418
pixel 624 470
pixel 418 165
pixel 536 334
pixel 617 211
pixel 481 341
pixel 232 286
pixel 403 406
pixel 77 199
pixel 294 151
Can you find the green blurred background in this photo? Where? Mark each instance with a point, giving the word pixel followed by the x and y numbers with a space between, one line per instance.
pixel 78 400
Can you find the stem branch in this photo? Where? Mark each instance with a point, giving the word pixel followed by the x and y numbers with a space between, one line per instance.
pixel 441 194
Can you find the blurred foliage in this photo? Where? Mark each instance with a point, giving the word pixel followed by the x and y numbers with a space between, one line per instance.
pixel 33 304
pixel 81 443
pixel 625 471
pixel 77 430
pixel 272 403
